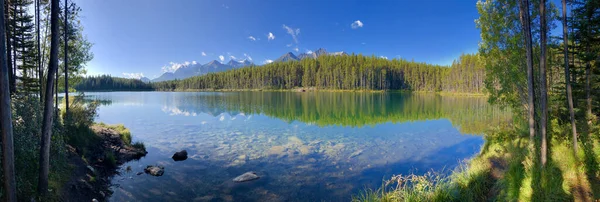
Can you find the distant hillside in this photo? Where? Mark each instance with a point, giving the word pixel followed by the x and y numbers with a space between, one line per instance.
pixel 109 83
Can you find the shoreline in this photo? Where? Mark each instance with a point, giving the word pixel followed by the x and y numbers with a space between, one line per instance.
pixel 91 170
pixel 303 90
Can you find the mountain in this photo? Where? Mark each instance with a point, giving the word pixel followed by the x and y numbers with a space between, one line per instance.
pixel 314 55
pixel 287 57
pixel 237 64
pixel 145 79
pixel 196 69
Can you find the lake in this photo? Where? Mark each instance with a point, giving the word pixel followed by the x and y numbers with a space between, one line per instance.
pixel 312 146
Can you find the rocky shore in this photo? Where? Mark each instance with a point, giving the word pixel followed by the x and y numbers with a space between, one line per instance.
pixel 93 169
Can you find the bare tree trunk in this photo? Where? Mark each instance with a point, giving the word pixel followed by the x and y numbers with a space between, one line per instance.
pixel 9 47
pixel 39 51
pixel 8 153
pixel 48 116
pixel 567 77
pixel 543 90
pixel 588 75
pixel 66 61
pixel 14 49
pixel 524 14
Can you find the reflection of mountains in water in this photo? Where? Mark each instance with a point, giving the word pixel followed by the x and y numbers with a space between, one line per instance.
pixel 472 115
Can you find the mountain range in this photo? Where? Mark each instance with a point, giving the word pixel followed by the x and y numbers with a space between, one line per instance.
pixel 195 69
pixel 314 55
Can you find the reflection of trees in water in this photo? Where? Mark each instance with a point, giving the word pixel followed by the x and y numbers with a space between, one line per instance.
pixel 471 114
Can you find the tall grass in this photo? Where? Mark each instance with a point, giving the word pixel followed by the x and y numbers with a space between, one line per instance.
pixel 505 171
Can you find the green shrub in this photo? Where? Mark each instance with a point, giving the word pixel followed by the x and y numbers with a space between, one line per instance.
pixel 110 159
pixel 139 145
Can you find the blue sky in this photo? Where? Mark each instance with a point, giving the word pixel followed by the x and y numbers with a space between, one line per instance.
pixel 150 36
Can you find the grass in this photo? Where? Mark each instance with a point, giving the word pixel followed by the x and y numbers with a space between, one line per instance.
pixel 504 171
pixel 139 145
pixel 124 133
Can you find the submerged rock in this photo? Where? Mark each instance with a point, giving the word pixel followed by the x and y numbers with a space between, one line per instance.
pixel 180 156
pixel 155 170
pixel 248 176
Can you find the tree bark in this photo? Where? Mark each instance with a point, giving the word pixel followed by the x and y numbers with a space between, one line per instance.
pixel 567 77
pixel 9 60
pixel 8 155
pixel 47 120
pixel 39 51
pixel 543 90
pixel 14 49
pixel 66 61
pixel 524 14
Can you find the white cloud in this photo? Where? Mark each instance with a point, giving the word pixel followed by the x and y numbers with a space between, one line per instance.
pixel 232 57
pixel 292 32
pixel 296 49
pixel 289 45
pixel 247 56
pixel 252 38
pixel 133 75
pixel 225 6
pixel 383 57
pixel 173 66
pixel 356 24
pixel 221 57
pixel 194 62
pixel 267 61
pixel 270 36
pixel 308 51
pixel 203 53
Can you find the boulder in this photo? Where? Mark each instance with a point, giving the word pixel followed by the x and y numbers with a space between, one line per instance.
pixel 180 156
pixel 248 176
pixel 155 170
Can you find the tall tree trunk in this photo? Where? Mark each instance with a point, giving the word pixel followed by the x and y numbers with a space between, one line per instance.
pixel 9 61
pixel 14 49
pixel 39 51
pixel 543 90
pixel 66 61
pixel 588 76
pixel 524 14
pixel 8 153
pixel 48 116
pixel 567 77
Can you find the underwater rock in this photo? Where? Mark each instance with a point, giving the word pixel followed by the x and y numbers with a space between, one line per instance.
pixel 356 153
pixel 155 170
pixel 180 156
pixel 248 176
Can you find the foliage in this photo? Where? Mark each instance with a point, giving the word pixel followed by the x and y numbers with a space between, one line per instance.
pixel 124 133
pixel 139 145
pixel 108 83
